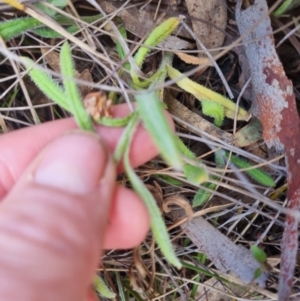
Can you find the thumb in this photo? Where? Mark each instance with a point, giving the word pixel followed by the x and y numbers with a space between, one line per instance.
pixel 52 223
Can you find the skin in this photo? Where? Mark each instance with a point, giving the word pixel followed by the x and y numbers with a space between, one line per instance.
pixel 61 206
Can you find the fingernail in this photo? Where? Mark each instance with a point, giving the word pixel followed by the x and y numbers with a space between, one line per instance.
pixel 74 163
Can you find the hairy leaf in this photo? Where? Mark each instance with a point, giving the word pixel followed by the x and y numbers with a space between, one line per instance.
pixel 102 288
pixel 203 93
pixel 151 112
pixel 71 90
pixel 46 84
pixel 13 28
pixel 214 110
pixel 157 224
pixel 159 33
pixel 195 174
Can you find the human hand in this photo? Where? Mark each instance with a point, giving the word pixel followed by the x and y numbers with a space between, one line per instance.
pixel 61 206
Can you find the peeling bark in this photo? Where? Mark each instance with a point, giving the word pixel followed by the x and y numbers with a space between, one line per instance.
pixel 275 107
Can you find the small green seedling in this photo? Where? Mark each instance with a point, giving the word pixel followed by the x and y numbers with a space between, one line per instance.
pixel 213 104
pixel 258 254
pixel 261 257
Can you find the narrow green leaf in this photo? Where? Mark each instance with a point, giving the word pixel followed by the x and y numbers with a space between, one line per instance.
pixel 72 94
pixel 115 122
pixel 160 33
pixel 15 27
pixel 125 138
pixel 195 174
pixel 169 180
pixel 102 288
pixel 46 84
pixel 202 195
pixel 65 20
pixel 151 112
pixel 258 254
pixel 49 11
pixel 49 33
pixel 256 173
pixel 184 149
pixel 121 293
pixel 157 224
pixel 286 6
pixel 257 273
pixel 220 159
pixel 123 33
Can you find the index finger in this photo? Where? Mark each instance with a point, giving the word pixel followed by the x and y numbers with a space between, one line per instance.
pixel 20 147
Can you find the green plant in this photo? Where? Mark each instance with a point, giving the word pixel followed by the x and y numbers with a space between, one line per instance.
pixel 69 98
pixel 261 257
pixel 213 104
pixel 286 6
pixel 15 27
pixel 203 194
pixel 149 111
pixel 102 289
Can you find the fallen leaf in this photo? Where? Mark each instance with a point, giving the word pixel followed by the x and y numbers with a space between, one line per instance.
pixel 209 20
pixel 136 21
pixel 52 58
pixel 85 75
pixel 225 255
pixel 175 43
